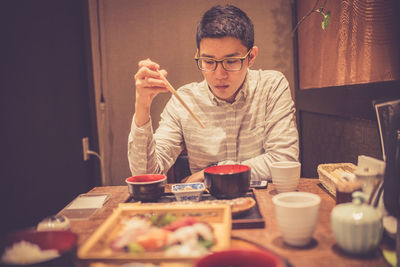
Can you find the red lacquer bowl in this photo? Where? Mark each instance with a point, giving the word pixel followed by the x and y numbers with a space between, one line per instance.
pixel 62 241
pixel 240 258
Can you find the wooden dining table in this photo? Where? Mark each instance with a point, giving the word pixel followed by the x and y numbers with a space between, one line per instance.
pixel 321 251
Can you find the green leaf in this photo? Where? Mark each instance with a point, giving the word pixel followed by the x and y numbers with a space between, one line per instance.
pixel 326 20
pixel 135 248
pixel 154 219
pixel 206 243
pixel 166 219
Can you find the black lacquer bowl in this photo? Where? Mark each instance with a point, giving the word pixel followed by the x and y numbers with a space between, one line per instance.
pixel 228 181
pixel 146 187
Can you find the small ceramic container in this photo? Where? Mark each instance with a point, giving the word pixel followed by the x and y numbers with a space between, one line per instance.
pixel 188 191
pixel 54 222
pixel 357 227
pixel 367 178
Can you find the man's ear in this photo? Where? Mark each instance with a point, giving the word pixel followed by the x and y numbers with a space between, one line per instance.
pixel 253 55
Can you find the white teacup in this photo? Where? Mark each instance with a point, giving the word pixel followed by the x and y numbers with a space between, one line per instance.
pixel 297 216
pixel 285 175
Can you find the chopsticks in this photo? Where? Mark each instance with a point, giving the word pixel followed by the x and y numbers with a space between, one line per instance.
pixel 173 91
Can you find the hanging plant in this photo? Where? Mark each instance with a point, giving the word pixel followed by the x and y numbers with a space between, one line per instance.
pixel 326 16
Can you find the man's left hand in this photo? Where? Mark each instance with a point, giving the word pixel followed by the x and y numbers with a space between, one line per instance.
pixel 195 177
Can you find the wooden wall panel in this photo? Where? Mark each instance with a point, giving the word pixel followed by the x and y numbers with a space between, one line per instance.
pixel 360 45
pixel 335 139
pixel 340 72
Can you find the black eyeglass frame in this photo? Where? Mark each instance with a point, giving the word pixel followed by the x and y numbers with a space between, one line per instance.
pixel 197 58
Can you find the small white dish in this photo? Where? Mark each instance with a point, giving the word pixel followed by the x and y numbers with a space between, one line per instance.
pixel 55 222
pixel 188 191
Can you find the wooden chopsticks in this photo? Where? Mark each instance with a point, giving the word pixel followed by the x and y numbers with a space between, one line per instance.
pixel 173 91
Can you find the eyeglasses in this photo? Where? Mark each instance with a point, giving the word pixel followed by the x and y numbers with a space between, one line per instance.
pixel 228 63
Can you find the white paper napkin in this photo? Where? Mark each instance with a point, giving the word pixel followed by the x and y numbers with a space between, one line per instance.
pixel 88 202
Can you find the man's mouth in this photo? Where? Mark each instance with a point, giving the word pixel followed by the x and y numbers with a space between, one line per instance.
pixel 221 87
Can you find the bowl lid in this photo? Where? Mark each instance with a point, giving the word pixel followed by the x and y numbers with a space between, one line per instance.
pixel 357 212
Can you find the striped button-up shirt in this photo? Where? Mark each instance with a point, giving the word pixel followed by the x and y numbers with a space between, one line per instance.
pixel 258 128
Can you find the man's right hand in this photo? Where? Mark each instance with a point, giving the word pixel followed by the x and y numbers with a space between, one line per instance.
pixel 148 84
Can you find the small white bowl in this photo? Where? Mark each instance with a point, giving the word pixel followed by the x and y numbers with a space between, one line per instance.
pixel 188 191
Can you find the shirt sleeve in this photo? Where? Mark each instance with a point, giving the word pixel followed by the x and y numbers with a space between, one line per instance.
pixel 139 146
pixel 280 135
pixel 155 153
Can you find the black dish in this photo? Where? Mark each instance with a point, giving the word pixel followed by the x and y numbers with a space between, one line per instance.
pixel 228 181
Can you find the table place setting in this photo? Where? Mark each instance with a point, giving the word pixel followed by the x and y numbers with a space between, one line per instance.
pixel 291 222
pixel 223 202
pixel 225 184
pixel 290 212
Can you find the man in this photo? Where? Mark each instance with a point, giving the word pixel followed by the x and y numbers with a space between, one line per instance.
pixel 249 115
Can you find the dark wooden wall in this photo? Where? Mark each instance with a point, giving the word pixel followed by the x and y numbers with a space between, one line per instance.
pixel 341 71
pixel 339 124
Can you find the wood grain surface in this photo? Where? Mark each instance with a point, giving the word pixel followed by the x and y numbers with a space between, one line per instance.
pixel 322 251
pixel 360 45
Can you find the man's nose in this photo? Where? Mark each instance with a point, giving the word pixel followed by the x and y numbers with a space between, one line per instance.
pixel 220 72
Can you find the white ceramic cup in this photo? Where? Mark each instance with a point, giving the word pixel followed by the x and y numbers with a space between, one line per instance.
pixel 285 175
pixel 297 216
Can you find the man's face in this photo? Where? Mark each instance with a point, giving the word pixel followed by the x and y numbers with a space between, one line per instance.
pixel 225 84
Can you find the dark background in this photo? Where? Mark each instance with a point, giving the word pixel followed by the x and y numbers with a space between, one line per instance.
pixel 45 109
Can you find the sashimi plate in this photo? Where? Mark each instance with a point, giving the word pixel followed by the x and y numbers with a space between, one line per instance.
pixel 111 240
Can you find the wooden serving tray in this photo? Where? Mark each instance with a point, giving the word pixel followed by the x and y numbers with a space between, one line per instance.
pixel 97 247
pixel 237 243
pixel 252 218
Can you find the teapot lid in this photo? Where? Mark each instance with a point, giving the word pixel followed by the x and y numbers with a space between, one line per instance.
pixel 357 211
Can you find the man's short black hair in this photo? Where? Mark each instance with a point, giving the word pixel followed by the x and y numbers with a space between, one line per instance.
pixel 226 21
